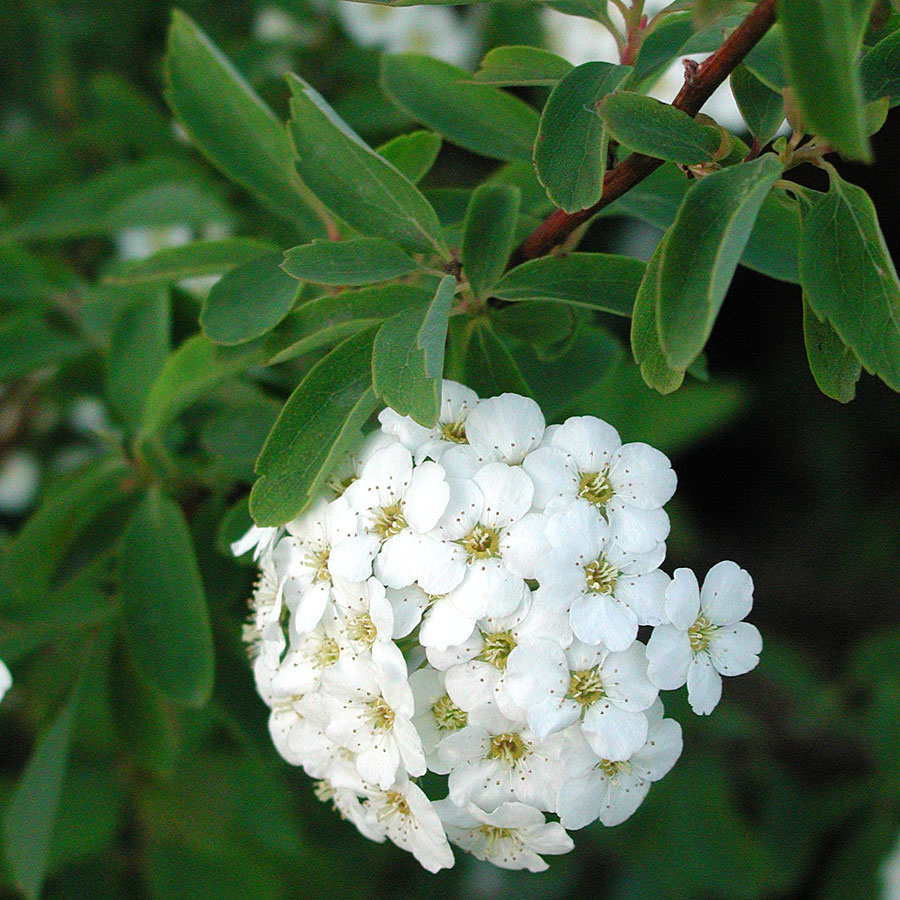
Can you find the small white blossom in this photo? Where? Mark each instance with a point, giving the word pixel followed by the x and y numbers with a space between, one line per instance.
pixel 505 428
pixel 706 638
pixel 409 819
pixel 890 875
pixel 437 716
pixel 5 679
pixel 512 836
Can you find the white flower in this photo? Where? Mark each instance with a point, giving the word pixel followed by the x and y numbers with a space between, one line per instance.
pixel 409 819
pixel 310 653
pixel 890 875
pixel 608 590
pixel 370 712
pixel 397 506
pixel 20 476
pixel 507 658
pixel 5 679
pixel 348 803
pixel 511 837
pixel 308 581
pixel 706 638
pixel 627 484
pixel 494 759
pixel 350 467
pixel 259 540
pixel 490 533
pixel 612 790
pixel 436 717
pixel 607 693
pixel 457 402
pixel 505 428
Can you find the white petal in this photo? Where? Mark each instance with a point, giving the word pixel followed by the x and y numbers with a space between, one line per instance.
pixel 534 671
pixel 409 432
pixel 308 611
pixel 552 715
pixel 638 530
pixel 623 799
pixel 625 679
pixel 642 475
pixel 507 492
pixel 524 544
pixel 552 476
pixel 445 626
pixel 727 593
pixel 427 497
pixel 645 595
pixel 704 685
pixel 669 654
pixel 352 558
pixel 735 648
pixel 398 563
pixel 463 509
pixel 683 599
pixel 408 604
pixel 601 619
pixel 489 589
pixel 505 428
pixel 613 733
pixel 656 758
pixel 579 801
pixel 442 565
pixel 588 441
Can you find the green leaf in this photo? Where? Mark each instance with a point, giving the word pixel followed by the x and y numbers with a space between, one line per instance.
pixel 353 181
pixel 413 154
pixel 543 325
pixel 490 368
pixel 333 318
pixel 194 260
pixel 525 66
pixel 165 619
pixel 834 367
pixel 849 279
pixel 231 125
pixel 489 235
pixel 657 129
pixel 767 60
pixel 408 357
pixel 34 806
pixel 154 193
pixel 475 116
pixel 28 344
pixel 702 251
pixel 661 45
pixel 645 345
pixel 601 281
pixel 572 142
pixel 249 300
pixel 820 46
pixel 879 70
pixel 323 414
pixel 235 437
pixel 138 349
pixel 761 107
pixel 191 371
pixel 31 562
pixel 357 261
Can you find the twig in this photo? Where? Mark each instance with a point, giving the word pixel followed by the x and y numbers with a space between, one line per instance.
pixel 697 89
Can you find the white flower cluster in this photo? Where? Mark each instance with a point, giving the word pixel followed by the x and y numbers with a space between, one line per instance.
pixel 467 602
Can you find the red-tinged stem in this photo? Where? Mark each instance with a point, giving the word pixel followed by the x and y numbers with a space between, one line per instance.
pixel 699 84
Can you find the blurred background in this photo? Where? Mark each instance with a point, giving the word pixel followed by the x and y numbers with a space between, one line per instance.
pixel 791 790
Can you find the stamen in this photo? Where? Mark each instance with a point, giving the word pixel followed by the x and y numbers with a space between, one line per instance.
pixel 389 521
pixel 482 542
pixel 700 634
pixel 601 576
pixel 595 488
pixel 497 647
pixel 447 715
pixel 586 687
pixel 508 748
pixel 454 432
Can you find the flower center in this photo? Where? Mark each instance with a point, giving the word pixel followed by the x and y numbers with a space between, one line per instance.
pixel 447 715
pixel 494 834
pixel 395 804
pixel 381 715
pixel 508 748
pixel 323 790
pixel 700 634
pixel 389 521
pixel 481 542
pixel 328 653
pixel 318 562
pixel 586 687
pixel 595 488
pixel 362 629
pixel 497 647
pixel 339 485
pixel 455 432
pixel 612 769
pixel 600 576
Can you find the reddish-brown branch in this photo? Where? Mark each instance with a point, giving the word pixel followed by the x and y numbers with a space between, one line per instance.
pixel 699 85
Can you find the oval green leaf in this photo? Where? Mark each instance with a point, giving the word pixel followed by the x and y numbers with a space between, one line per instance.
pixel 357 261
pixel 489 234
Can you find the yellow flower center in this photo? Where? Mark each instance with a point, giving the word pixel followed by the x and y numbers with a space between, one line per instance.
pixel 362 629
pixel 595 488
pixel 381 715
pixel 495 834
pixel 318 562
pixel 600 576
pixel 700 633
pixel 586 687
pixel 481 542
pixel 389 521
pixel 447 715
pixel 328 653
pixel 496 648
pixel 612 769
pixel 455 432
pixel 508 748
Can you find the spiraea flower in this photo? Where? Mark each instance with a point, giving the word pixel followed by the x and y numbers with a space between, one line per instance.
pixel 465 600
